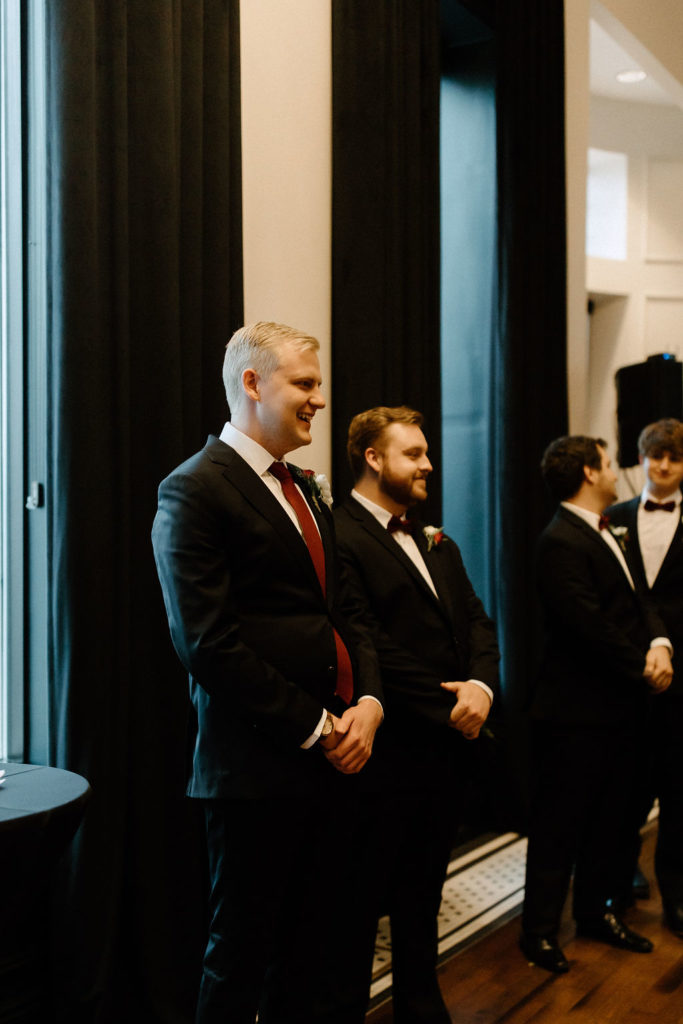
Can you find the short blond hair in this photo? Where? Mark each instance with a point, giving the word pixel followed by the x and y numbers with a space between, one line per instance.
pixel 257 346
pixel 366 430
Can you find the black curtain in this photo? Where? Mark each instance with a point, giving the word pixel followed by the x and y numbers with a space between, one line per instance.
pixel 145 278
pixel 386 345
pixel 385 216
pixel 530 371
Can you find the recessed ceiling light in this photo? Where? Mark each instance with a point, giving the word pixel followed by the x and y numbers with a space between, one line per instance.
pixel 631 76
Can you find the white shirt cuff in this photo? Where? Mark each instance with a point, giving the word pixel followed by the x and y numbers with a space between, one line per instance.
pixel 315 735
pixel 483 686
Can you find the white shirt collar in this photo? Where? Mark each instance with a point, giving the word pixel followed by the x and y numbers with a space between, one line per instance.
pixel 250 450
pixel 592 518
pixel 382 515
pixel 647 496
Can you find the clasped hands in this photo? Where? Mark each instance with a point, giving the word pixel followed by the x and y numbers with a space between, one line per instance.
pixel 471 710
pixel 350 745
pixel 658 669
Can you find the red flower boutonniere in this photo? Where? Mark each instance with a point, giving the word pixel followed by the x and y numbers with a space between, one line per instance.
pixel 434 535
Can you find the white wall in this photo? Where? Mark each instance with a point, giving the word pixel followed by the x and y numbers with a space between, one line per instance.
pixel 636 298
pixel 287 178
pixel 286 109
pixel 577 110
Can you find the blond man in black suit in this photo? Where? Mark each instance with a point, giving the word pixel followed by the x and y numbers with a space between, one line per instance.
pixel 286 693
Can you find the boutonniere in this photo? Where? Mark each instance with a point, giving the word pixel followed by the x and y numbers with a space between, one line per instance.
pixel 620 534
pixel 434 535
pixel 318 486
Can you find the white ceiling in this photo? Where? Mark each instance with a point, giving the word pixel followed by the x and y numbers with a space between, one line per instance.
pixel 607 59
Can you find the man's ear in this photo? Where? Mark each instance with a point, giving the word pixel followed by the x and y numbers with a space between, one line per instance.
pixel 589 474
pixel 373 459
pixel 250 384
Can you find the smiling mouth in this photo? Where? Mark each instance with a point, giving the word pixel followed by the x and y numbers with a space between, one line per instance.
pixel 306 417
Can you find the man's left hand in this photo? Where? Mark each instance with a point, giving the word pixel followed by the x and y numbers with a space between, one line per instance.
pixel 471 709
pixel 358 726
pixel 658 668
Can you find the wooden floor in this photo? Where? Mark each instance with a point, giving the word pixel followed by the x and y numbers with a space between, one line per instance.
pixel 491 983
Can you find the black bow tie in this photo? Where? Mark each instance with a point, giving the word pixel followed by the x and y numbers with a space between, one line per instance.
pixel 655 506
pixel 396 523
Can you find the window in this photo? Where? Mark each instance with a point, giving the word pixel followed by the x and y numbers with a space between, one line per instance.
pixel 11 386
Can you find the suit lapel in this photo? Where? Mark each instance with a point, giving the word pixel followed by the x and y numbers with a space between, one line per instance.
pixel 673 549
pixel 594 537
pixel 382 535
pixel 252 488
pixel 441 578
pixel 316 510
pixel 634 556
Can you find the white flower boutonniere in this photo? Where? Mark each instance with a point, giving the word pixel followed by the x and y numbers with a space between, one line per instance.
pixel 318 486
pixel 620 534
pixel 434 535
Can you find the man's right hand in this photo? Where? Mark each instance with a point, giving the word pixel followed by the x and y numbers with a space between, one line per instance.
pixel 658 668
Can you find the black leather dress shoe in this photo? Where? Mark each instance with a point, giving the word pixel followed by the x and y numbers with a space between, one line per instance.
pixel 611 929
pixel 543 953
pixel 673 915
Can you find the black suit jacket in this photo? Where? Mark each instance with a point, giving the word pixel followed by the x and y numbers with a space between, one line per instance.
pixel 252 627
pixel 597 629
pixel 667 589
pixel 420 639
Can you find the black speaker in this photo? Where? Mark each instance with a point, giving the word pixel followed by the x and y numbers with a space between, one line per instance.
pixel 646 392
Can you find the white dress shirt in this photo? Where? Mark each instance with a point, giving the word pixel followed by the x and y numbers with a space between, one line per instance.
pixel 260 460
pixel 407 542
pixel 655 532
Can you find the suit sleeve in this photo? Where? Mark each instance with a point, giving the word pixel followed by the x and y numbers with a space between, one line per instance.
pixel 571 601
pixel 408 683
pixel 483 651
pixel 354 626
pixel 196 579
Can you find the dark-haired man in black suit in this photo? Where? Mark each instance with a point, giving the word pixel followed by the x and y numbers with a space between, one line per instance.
pixel 439 659
pixel 602 648
pixel 285 690
pixel 654 546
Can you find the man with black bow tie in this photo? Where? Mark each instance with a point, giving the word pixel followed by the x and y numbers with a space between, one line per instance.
pixel 439 660
pixel 652 524
pixel 603 647
pixel 285 691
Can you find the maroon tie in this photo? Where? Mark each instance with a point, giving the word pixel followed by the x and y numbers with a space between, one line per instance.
pixel 315 549
pixel 603 522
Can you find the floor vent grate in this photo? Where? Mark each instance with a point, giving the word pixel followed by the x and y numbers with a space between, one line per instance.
pixel 484 888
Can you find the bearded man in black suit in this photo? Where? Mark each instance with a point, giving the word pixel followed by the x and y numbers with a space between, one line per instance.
pixel 439 660
pixel 653 535
pixel 603 647
pixel 286 692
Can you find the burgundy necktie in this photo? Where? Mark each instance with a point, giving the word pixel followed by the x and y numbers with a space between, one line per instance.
pixel 314 544
pixel 655 506
pixel 405 525
pixel 603 522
